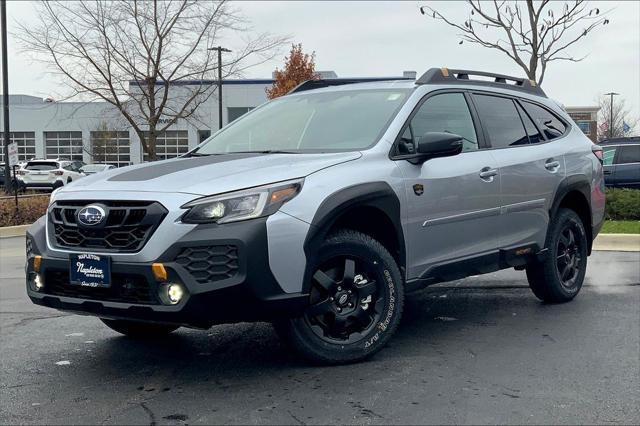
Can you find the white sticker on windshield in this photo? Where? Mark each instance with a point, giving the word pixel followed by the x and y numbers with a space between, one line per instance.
pixel 394 96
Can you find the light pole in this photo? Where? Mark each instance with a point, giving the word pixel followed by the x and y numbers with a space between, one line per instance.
pixel 5 97
pixel 220 50
pixel 611 94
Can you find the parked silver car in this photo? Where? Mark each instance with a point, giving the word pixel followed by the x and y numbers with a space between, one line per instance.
pixel 321 209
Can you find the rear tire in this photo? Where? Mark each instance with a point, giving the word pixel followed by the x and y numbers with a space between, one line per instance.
pixel 356 302
pixel 139 330
pixel 560 276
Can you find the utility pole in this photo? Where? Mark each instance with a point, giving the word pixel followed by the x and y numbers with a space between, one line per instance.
pixel 5 96
pixel 220 50
pixel 611 95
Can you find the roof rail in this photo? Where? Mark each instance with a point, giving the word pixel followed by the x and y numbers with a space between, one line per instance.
pixel 449 76
pixel 318 84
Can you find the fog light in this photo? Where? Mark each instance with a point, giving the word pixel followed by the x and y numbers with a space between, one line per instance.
pixel 38 282
pixel 174 293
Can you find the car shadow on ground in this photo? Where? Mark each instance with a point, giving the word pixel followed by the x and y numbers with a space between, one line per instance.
pixel 431 316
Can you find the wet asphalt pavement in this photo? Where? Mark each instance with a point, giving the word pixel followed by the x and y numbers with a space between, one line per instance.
pixel 479 350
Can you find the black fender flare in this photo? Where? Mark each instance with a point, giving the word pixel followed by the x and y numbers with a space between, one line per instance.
pixel 378 195
pixel 581 184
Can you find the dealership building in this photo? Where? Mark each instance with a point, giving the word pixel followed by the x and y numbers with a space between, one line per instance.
pixel 97 132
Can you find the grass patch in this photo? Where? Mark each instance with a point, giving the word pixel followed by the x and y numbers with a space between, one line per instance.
pixel 621 227
pixel 29 210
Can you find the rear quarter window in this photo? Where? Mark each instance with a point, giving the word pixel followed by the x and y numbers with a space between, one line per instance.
pixel 551 125
pixel 608 155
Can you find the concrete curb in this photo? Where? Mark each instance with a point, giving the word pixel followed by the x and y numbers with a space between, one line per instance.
pixel 617 242
pixel 13 231
pixel 604 242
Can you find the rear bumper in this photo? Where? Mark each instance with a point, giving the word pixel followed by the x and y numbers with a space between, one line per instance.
pixel 242 289
pixel 48 185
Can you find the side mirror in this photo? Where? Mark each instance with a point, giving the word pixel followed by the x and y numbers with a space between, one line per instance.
pixel 437 144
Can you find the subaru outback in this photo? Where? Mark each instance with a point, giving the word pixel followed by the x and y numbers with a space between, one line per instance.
pixel 320 210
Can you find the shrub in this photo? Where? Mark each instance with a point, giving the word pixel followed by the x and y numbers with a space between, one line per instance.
pixel 623 204
pixel 29 209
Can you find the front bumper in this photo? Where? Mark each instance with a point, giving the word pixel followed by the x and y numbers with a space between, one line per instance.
pixel 233 284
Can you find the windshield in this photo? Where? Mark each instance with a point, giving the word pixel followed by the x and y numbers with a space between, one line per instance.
pixel 315 122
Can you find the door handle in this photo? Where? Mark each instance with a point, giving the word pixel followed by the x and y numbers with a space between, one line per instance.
pixel 551 165
pixel 488 173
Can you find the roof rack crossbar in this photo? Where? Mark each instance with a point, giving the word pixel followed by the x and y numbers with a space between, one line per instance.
pixel 321 83
pixel 453 76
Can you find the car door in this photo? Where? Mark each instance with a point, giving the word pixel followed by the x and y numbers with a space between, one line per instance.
pixel 627 166
pixel 531 165
pixel 453 202
pixel 608 165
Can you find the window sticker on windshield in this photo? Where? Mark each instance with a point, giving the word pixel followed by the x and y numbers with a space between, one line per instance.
pixel 394 96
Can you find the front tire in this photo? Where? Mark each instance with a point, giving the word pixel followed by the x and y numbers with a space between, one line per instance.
pixel 560 276
pixel 139 330
pixel 356 302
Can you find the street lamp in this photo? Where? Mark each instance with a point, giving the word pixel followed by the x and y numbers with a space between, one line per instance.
pixel 611 94
pixel 220 50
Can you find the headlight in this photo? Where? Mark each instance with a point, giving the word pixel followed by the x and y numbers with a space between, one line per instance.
pixel 241 205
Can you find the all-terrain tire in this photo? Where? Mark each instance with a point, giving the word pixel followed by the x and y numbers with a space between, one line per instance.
pixel 560 276
pixel 139 330
pixel 385 308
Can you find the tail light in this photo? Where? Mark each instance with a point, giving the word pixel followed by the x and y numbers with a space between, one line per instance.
pixel 597 151
pixel 58 172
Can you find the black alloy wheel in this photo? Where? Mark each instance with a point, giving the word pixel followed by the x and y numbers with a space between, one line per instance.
pixel 568 255
pixel 344 300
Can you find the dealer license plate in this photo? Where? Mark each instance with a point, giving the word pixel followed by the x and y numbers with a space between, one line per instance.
pixel 90 270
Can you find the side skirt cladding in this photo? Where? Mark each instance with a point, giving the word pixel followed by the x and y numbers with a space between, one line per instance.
pixel 373 200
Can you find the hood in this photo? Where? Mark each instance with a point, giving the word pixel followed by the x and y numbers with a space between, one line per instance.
pixel 210 175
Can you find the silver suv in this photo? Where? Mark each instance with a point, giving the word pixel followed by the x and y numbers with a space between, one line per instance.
pixel 320 210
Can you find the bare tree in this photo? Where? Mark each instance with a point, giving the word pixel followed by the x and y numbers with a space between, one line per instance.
pixel 621 116
pixel 532 34
pixel 136 55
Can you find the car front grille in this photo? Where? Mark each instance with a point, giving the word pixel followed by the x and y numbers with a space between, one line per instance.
pixel 125 288
pixel 209 263
pixel 127 227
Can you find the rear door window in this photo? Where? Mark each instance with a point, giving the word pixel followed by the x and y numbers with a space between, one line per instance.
pixel 546 120
pixel 629 154
pixel 501 120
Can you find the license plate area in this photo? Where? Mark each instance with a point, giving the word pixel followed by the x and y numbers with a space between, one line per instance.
pixel 90 270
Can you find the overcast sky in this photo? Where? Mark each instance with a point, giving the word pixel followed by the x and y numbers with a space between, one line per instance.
pixel 384 38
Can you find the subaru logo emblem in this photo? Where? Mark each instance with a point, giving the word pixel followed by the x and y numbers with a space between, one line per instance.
pixel 343 299
pixel 91 215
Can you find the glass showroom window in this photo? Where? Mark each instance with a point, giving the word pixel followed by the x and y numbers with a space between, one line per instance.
pixel 26 145
pixel 171 144
pixel 233 113
pixel 111 147
pixel 63 145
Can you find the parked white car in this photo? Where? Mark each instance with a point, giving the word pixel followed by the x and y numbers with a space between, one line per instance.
pixel 49 174
pixel 90 169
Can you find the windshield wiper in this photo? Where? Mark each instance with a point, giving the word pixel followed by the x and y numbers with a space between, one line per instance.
pixel 266 151
pixel 200 154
